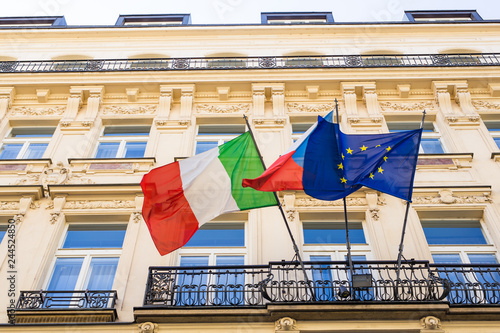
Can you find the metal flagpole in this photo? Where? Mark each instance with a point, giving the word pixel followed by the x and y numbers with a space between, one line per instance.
pixel 400 253
pixel 294 244
pixel 348 243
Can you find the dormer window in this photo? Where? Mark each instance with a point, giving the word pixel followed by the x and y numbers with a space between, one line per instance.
pixel 152 20
pixel 442 16
pixel 34 21
pixel 297 18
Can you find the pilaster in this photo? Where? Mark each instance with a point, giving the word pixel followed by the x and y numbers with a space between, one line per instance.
pixel 6 98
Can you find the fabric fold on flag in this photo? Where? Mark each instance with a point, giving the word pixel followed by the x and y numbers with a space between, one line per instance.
pixel 329 164
pixel 181 196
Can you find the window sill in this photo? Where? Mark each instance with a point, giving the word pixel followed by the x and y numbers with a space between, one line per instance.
pixel 49 316
pixel 24 166
pixel 112 165
pixel 444 161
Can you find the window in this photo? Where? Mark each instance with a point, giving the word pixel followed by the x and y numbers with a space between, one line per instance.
pixel 211 136
pixel 219 244
pixel 298 129
pixel 26 143
pixel 126 141
pixel 494 129
pixel 296 18
pixel 442 15
pixel 158 19
pixel 86 260
pixel 431 139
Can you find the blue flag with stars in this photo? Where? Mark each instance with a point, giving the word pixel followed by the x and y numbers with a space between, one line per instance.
pixel 337 164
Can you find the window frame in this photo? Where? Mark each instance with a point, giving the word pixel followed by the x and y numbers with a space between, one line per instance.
pixel 122 140
pixel 26 141
pixel 86 253
pixel 435 134
pixel 221 138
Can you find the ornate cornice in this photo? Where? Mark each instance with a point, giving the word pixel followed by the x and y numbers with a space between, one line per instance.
pixel 99 204
pixel 45 111
pixel 129 110
pixel 320 108
pixel 232 108
pixel 485 106
pixel 406 107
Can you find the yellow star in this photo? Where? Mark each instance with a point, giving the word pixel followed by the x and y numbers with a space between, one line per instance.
pixel 363 148
pixel 380 170
pixel 371 175
pixel 377 146
pixel 342 156
pixel 340 166
pixel 343 180
pixel 349 151
pixel 386 158
pixel 388 148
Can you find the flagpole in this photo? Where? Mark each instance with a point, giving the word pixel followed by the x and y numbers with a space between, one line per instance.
pixel 348 243
pixel 400 251
pixel 294 244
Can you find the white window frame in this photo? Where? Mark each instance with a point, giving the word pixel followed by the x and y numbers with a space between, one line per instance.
pixel 464 250
pixel 435 134
pixel 86 253
pixel 221 138
pixel 122 140
pixel 213 252
pixel 25 141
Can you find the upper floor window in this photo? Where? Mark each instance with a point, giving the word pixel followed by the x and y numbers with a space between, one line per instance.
pixel 34 21
pixel 442 15
pixel 211 136
pixel 26 142
pixel 158 19
pixel 123 141
pixel 296 18
pixel 431 139
pixel 494 129
pixel 87 257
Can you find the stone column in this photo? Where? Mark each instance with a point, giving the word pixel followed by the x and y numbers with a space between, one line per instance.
pixel 6 98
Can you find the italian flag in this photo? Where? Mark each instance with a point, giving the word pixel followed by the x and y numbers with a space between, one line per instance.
pixel 182 196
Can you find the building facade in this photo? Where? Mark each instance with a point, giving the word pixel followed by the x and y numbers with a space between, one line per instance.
pixel 85 112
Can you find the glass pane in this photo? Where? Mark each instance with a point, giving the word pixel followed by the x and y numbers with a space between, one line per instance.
pixel 38 132
pixel 102 273
pixel 300 128
pixel 35 150
pixel 10 151
pixel 192 283
pixel 458 233
pixel 482 259
pixel 322 278
pixel 227 286
pixel 203 146
pixel 85 236
pixel 66 271
pixel 107 149
pixel 219 235
pixel 446 258
pixel 135 149
pixel 332 233
pixel 126 131
pixel 431 146
pixel 3 231
pixel 497 141
pixel 453 275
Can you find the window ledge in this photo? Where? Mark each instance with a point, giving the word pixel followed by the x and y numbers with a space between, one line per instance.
pixel 112 165
pixel 24 166
pixel 444 161
pixel 31 316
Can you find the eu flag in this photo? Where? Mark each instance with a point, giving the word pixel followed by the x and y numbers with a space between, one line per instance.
pixel 337 164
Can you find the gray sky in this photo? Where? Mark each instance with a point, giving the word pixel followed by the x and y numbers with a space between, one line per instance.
pixel 105 12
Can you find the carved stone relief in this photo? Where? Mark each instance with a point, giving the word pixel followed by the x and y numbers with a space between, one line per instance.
pixel 486 106
pixel 99 204
pixel 45 111
pixel 234 108
pixel 296 107
pixel 129 110
pixel 305 202
pixel 9 205
pixel 285 324
pixel 448 197
pixel 406 107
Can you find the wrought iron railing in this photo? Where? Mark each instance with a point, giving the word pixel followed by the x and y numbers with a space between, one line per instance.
pixel 266 62
pixel 78 299
pixel 328 281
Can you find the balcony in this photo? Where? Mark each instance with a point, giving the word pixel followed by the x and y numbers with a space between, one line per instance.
pixel 243 63
pixel 65 306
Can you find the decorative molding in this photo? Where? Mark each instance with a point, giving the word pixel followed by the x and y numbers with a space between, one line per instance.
pixel 136 217
pixel 55 174
pixel 285 324
pixel 9 205
pixel 54 217
pixel 309 202
pixel 148 327
pixel 448 197
pixel 99 204
pixel 18 218
pixel 406 107
pixel 485 106
pixel 320 108
pixel 45 111
pixel 233 108
pixel 430 323
pixel 129 110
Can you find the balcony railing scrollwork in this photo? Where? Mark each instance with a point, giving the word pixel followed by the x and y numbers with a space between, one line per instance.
pixel 328 281
pixel 263 62
pixel 78 299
